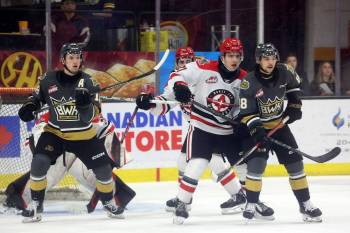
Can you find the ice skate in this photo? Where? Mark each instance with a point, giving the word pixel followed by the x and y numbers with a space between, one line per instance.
pixel 170 205
pixel 33 214
pixel 310 212
pixel 264 212
pixel 235 204
pixel 249 211
pixel 112 210
pixel 180 213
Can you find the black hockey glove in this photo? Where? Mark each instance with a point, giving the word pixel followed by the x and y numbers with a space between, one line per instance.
pixel 182 92
pixel 260 136
pixel 293 111
pixel 26 112
pixel 82 97
pixel 143 101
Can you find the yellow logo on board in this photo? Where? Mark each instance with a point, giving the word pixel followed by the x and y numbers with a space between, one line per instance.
pixel 20 69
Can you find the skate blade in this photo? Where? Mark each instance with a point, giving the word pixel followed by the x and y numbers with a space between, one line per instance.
pixel 234 210
pixel 248 221
pixel 32 219
pixel 307 218
pixel 117 216
pixel 178 220
pixel 170 209
pixel 265 218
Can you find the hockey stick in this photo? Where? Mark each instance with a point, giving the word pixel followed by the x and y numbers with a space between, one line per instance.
pixel 195 103
pixel 165 56
pixel 160 63
pixel 133 100
pixel 269 134
pixel 129 125
pixel 319 159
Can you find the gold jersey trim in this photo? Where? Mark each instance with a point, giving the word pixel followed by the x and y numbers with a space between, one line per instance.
pixel 72 136
pixel 271 124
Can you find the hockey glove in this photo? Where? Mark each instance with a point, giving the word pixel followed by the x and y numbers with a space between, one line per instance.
pixel 260 136
pixel 26 112
pixel 182 92
pixel 82 97
pixel 293 111
pixel 143 101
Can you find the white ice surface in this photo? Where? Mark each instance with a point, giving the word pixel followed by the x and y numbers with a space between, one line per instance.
pixel 146 212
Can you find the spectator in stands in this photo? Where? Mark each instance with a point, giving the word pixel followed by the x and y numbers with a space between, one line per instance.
pixel 324 81
pixel 68 27
pixel 292 60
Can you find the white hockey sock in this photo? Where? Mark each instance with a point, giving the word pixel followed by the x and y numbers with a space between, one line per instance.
pixel 226 176
pixel 181 165
pixel 193 172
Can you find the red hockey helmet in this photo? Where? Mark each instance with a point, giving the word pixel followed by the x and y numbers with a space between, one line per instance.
pixel 232 45
pixel 185 52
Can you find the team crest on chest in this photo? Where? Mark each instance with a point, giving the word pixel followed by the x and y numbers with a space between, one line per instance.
pixel 221 100
pixel 270 107
pixel 66 112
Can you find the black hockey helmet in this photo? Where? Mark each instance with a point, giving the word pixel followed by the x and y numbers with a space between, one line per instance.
pixel 265 50
pixel 71 48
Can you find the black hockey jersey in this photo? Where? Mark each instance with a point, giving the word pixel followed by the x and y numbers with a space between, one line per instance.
pixel 65 120
pixel 265 103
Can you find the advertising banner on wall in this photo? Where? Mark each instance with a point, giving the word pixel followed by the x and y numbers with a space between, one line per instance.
pixel 153 141
pixel 22 69
pixel 156 141
pixel 325 125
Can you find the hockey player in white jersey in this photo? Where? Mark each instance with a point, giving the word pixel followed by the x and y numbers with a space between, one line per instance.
pixel 18 191
pixel 214 84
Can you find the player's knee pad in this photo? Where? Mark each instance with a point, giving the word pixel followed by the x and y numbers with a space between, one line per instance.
pixel 103 173
pixel 295 169
pixel 195 168
pixel 40 165
pixel 256 166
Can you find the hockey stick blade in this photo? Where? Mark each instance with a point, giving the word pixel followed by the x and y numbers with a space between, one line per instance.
pixel 319 159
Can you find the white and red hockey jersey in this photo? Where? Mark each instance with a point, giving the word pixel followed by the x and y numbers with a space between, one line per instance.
pixel 209 89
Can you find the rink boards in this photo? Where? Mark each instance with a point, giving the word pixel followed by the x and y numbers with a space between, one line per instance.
pixel 155 141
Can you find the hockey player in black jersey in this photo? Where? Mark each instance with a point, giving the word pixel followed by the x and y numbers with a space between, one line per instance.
pixel 72 107
pixel 262 95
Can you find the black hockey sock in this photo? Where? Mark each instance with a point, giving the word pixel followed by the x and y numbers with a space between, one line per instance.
pixel 253 189
pixel 38 195
pixel 300 189
pixel 104 190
